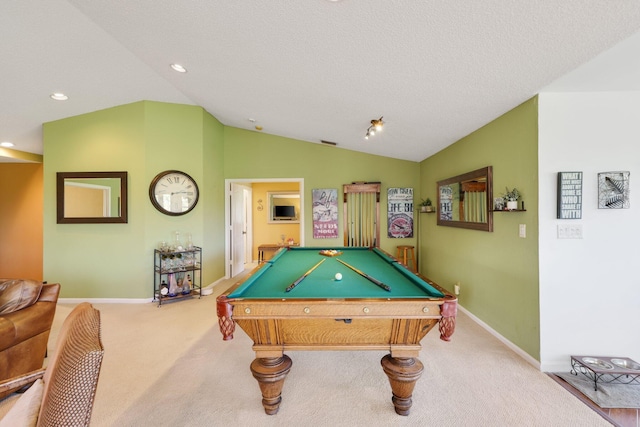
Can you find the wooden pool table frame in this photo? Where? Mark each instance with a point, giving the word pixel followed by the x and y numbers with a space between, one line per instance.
pixel 393 324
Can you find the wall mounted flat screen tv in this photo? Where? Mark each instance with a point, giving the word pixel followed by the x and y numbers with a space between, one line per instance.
pixel 284 212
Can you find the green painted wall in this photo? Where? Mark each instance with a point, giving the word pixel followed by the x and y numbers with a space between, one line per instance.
pixel 249 154
pixel 144 139
pixel 498 271
pixel 213 202
pixel 188 139
pixel 96 260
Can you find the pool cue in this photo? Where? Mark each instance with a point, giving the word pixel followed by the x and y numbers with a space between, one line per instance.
pixel 366 276
pixel 304 276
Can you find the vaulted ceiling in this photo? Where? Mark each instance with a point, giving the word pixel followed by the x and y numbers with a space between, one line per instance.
pixel 312 69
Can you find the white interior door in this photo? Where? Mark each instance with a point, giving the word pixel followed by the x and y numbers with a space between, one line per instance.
pixel 248 230
pixel 238 228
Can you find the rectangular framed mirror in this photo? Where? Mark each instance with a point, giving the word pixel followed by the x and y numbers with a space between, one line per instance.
pixel 466 201
pixel 91 197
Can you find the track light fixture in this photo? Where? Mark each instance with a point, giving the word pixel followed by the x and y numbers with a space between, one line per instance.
pixel 376 126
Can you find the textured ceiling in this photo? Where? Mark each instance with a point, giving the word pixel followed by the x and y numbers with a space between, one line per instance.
pixel 312 69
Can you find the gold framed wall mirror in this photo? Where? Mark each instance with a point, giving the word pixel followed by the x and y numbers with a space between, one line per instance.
pixel 91 197
pixel 465 201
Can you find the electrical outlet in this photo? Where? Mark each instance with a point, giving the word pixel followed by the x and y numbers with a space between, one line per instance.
pixel 523 230
pixel 456 288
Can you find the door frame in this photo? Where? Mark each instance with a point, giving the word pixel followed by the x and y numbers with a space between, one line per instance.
pixel 249 227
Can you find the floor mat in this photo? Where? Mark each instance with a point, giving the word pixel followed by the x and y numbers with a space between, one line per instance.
pixel 608 395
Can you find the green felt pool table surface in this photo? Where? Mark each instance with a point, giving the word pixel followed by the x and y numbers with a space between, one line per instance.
pixel 289 264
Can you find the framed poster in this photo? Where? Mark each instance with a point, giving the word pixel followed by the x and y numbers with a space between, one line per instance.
pixel 446 202
pixel 325 213
pixel 569 195
pixel 613 190
pixel 400 213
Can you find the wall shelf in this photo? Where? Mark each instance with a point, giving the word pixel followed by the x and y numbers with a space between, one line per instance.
pixel 509 210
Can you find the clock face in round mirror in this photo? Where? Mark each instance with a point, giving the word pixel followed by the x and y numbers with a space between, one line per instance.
pixel 173 192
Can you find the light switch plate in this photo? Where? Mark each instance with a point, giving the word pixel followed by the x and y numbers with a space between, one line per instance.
pixel 569 231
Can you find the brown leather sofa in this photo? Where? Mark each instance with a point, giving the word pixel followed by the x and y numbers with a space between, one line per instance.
pixel 27 308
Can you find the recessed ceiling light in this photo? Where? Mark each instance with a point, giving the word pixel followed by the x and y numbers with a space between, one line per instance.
pixel 6 144
pixel 179 68
pixel 59 96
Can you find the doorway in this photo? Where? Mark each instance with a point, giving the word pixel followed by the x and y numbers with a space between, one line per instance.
pixel 239 216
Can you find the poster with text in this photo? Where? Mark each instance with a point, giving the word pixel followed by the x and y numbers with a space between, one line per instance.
pixel 325 213
pixel 400 213
pixel 569 195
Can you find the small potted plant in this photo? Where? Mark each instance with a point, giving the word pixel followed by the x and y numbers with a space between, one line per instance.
pixel 511 197
pixel 425 205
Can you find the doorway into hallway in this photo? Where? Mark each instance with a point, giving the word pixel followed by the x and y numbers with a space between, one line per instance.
pixel 248 222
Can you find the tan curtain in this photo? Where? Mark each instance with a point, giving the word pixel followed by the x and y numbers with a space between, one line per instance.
pixel 361 214
pixel 474 201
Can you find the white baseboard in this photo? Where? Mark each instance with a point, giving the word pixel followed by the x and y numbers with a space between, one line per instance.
pixel 205 291
pixel 557 366
pixel 526 356
pixel 217 282
pixel 209 289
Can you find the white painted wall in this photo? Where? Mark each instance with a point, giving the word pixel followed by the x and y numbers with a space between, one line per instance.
pixel 589 288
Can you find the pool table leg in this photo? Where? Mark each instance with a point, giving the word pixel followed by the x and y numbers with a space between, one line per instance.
pixel 271 373
pixel 403 372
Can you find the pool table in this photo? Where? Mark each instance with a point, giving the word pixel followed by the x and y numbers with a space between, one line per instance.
pixel 323 313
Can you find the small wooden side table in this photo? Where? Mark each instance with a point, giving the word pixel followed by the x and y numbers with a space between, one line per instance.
pixel 407 255
pixel 271 248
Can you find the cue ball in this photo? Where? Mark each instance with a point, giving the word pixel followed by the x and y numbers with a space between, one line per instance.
pixel 338 276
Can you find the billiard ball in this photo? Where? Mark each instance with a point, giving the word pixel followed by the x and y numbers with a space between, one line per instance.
pixel 338 276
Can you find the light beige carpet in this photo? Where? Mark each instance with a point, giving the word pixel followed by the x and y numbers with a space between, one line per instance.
pixel 169 366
